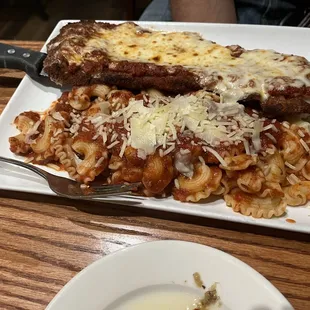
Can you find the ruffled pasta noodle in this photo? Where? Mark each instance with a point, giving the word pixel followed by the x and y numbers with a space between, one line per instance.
pixel 132 157
pixel 80 97
pixel 297 194
pixel 26 121
pixel 66 157
pixel 18 144
pixel 98 106
pixel 239 162
pixel 251 181
pixel 94 162
pixel 273 167
pixel 270 189
pixel 157 173
pixel 116 162
pixel 119 99
pixel 248 204
pixel 204 181
pixel 126 169
pixel 154 93
pixel 132 174
pixel 292 149
pixel 191 146
pixel 42 143
pixel 226 185
pixel 306 171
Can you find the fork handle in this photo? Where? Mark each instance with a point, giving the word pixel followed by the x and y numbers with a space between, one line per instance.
pixel 38 171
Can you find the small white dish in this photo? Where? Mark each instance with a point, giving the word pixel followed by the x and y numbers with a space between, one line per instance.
pixel 167 266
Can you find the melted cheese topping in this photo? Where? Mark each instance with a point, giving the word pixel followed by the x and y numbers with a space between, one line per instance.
pixel 129 42
pixel 254 72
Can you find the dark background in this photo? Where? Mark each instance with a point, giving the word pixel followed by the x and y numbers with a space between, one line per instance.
pixel 35 19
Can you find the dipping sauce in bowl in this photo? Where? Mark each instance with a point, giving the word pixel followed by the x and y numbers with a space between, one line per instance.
pixel 163 300
pixel 168 297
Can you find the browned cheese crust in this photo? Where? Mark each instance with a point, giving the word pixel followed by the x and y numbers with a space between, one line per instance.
pixel 96 65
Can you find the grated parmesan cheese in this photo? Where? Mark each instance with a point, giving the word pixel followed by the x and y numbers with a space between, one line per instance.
pixel 114 137
pixel 287 164
pixel 256 135
pixel 123 148
pixel 268 127
pixel 112 144
pixel 29 160
pixel 271 137
pixel 305 145
pixel 162 124
pixel 201 160
pixel 170 149
pixel 300 133
pixel 293 179
pixel 100 161
pixel 57 116
pixel 246 147
pixel 176 184
pixel 217 155
pixel 184 151
pixel 32 131
pixel 104 137
pixel 141 154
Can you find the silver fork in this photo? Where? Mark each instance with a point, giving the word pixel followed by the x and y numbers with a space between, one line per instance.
pixel 71 189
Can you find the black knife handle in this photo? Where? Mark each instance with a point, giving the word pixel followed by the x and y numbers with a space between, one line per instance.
pixel 14 57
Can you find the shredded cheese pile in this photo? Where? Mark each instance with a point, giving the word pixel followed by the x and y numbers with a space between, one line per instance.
pixel 157 122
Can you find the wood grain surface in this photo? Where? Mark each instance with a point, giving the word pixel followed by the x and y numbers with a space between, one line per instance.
pixel 45 241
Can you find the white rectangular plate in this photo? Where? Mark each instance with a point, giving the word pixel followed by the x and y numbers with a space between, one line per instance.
pixel 33 96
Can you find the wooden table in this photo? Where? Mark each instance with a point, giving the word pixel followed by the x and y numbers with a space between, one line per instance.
pixel 45 241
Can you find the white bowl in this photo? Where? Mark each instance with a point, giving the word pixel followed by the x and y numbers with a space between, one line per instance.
pixel 155 266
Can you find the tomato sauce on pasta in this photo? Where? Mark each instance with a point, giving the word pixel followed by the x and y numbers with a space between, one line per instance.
pixel 189 146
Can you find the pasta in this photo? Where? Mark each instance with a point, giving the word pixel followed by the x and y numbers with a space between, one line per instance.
pixel 157 173
pixel 190 146
pixel 255 206
pixel 204 181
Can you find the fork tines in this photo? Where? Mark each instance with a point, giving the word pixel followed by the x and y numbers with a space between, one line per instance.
pixel 115 188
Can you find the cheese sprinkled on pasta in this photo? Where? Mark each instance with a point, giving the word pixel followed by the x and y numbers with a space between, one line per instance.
pixel 157 122
pixel 190 146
